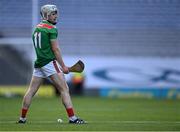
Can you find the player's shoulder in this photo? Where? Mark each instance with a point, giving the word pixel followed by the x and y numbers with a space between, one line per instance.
pixel 46 25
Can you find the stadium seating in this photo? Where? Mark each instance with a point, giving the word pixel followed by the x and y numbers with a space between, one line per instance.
pixel 104 27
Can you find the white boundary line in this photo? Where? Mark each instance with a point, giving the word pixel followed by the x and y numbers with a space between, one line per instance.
pixel 101 122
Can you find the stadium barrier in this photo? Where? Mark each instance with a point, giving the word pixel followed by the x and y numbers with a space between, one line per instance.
pixel 160 93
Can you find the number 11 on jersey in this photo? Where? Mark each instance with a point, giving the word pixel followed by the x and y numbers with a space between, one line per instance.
pixel 37 40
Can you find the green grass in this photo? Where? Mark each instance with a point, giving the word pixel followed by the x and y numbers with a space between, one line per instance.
pixel 102 114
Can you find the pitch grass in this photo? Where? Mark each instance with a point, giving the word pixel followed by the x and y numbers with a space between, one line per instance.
pixel 102 114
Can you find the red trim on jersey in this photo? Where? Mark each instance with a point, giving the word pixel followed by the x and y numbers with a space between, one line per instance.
pixel 43 25
pixel 56 66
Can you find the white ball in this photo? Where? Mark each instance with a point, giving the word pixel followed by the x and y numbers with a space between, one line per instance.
pixel 59 120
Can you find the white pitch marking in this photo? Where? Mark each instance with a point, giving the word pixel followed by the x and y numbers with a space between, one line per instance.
pixel 102 122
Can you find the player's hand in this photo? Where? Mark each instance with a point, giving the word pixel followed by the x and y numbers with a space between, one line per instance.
pixel 65 70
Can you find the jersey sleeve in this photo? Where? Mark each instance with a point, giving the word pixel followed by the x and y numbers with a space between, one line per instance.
pixel 53 33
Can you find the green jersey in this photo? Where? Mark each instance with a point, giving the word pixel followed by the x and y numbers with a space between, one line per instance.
pixel 42 36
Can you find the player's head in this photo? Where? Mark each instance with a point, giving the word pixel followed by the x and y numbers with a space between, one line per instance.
pixel 49 13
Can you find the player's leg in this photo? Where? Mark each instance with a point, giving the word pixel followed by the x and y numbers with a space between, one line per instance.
pixel 33 88
pixel 60 83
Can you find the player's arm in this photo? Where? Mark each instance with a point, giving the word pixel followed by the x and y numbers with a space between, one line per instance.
pixel 57 53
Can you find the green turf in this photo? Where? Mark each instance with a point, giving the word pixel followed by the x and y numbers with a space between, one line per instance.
pixel 101 114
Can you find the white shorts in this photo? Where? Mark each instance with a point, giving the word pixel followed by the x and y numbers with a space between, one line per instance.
pixel 47 70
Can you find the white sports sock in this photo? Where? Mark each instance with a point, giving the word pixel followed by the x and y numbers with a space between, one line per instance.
pixel 72 118
pixel 22 119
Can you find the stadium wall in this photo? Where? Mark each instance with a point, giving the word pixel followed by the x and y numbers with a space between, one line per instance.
pixel 131 76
